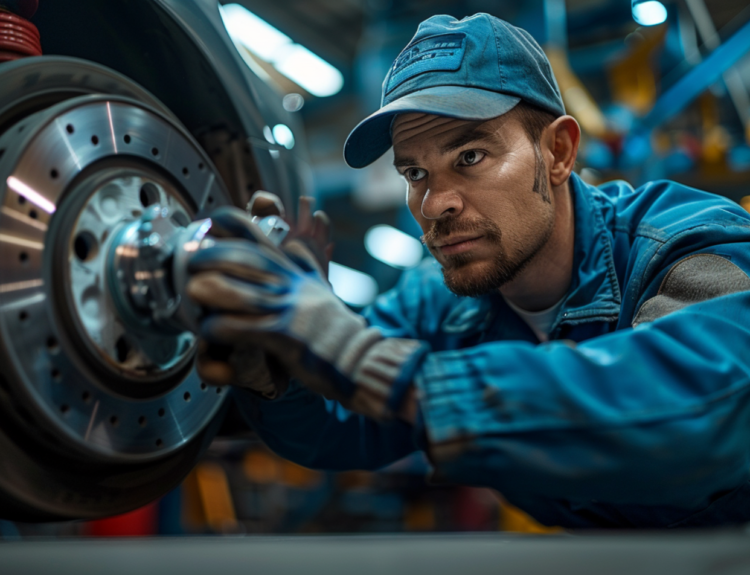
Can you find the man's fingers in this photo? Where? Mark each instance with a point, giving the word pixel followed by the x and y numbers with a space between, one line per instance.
pixel 301 254
pixel 304 216
pixel 214 372
pixel 321 234
pixel 264 204
pixel 233 329
pixel 242 259
pixel 216 291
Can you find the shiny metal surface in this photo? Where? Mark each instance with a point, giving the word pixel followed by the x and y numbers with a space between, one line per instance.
pixel 53 156
pixel 119 281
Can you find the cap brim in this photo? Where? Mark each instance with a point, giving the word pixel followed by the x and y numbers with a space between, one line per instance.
pixel 372 136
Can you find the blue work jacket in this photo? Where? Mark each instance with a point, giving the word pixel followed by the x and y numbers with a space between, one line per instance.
pixel 605 425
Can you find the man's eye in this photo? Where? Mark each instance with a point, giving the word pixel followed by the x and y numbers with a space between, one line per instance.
pixel 471 157
pixel 415 174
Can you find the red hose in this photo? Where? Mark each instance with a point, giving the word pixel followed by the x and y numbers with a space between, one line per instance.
pixel 18 37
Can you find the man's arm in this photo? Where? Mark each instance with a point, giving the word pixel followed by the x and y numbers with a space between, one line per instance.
pixel 652 415
pixel 657 414
pixel 316 432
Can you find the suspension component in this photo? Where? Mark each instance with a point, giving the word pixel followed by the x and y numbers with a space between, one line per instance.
pixel 19 38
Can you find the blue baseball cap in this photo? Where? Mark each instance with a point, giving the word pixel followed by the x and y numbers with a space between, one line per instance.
pixel 476 68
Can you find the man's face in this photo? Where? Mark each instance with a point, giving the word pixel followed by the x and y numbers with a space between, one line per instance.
pixel 480 194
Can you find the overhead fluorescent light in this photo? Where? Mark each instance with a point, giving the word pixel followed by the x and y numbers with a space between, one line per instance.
pixel 294 61
pixel 649 13
pixel 393 247
pixel 283 136
pixel 355 288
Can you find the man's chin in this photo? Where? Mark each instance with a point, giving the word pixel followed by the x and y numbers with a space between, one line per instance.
pixel 473 278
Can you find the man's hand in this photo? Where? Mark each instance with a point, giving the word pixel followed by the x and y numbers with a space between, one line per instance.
pixel 246 365
pixel 275 300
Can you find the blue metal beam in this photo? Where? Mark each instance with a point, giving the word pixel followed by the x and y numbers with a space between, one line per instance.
pixel 698 79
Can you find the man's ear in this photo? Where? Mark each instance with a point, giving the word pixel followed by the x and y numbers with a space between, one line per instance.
pixel 562 136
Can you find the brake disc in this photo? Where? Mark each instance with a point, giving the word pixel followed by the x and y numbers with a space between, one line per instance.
pixel 95 417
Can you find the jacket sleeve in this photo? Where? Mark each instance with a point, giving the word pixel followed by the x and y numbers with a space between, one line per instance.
pixel 658 414
pixel 310 430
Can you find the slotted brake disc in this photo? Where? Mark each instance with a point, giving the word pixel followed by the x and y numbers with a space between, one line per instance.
pixel 97 416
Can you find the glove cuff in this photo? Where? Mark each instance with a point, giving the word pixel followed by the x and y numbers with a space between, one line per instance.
pixel 384 375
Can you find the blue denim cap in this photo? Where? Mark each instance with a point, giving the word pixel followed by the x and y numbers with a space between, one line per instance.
pixel 477 68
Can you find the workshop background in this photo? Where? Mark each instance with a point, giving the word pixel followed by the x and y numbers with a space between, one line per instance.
pixel 660 90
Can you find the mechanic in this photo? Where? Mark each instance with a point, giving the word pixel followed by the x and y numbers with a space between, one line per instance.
pixel 595 365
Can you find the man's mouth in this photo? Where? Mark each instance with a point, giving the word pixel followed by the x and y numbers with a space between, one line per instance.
pixel 457 244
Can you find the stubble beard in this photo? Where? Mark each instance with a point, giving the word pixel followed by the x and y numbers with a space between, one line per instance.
pixel 504 267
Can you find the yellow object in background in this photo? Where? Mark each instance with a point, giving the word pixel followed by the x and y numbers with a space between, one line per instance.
pixel 419 516
pixel 514 520
pixel 260 467
pixel 578 102
pixel 633 79
pixel 207 500
pixel 293 475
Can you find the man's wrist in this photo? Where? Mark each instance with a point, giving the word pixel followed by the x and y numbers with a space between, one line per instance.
pixel 383 378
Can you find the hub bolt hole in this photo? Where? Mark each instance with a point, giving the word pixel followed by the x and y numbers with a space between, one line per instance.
pixel 155 152
pixel 127 138
pixel 69 128
pixel 23 257
pixel 149 194
pixel 186 397
pixel 95 140
pixel 114 421
pixel 122 348
pixel 53 173
pixel 161 412
pixel 85 246
pixel 142 421
pixel 52 344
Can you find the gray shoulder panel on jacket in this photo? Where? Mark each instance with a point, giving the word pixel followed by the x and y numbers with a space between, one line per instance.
pixel 694 279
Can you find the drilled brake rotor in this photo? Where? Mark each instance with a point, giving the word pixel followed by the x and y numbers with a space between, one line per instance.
pixel 112 415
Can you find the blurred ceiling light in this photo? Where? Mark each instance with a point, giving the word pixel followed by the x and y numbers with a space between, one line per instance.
pixel 354 287
pixel 393 247
pixel 268 135
pixel 649 13
pixel 283 135
pixel 293 102
pixel 293 60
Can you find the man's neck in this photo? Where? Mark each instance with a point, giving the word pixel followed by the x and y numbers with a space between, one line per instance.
pixel 546 279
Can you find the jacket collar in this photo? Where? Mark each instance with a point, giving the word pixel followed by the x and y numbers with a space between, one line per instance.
pixel 594 292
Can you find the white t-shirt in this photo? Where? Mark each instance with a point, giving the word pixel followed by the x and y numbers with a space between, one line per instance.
pixel 540 322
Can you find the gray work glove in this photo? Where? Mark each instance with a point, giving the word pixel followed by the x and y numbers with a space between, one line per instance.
pixel 240 363
pixel 277 300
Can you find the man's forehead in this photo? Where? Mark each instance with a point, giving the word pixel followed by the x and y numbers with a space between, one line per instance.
pixel 416 128
pixel 407 126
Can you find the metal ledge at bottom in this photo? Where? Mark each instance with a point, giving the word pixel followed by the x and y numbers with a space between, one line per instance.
pixel 693 553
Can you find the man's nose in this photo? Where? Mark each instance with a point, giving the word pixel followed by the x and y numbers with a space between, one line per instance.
pixel 441 201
